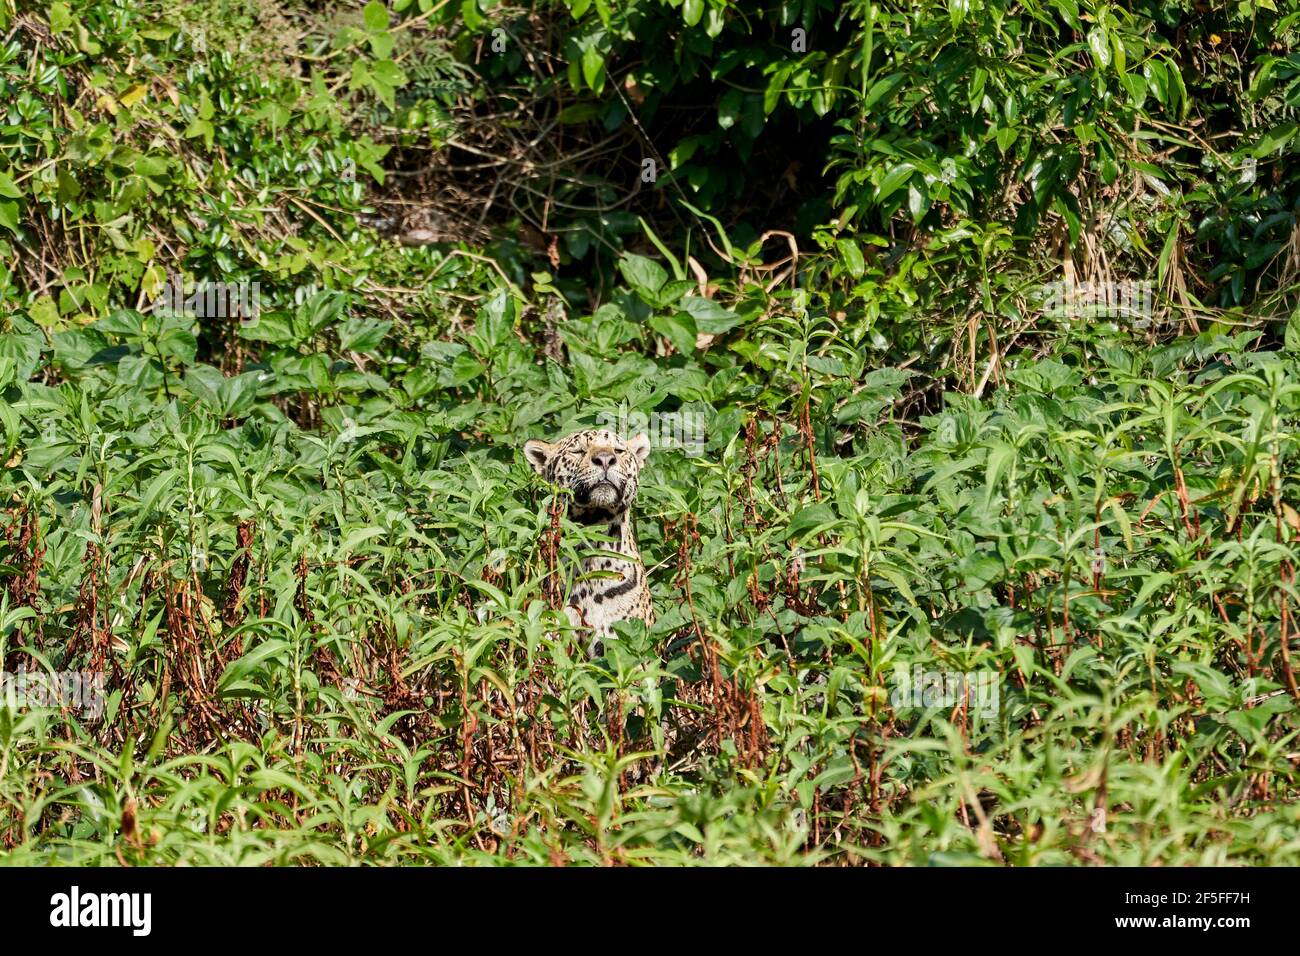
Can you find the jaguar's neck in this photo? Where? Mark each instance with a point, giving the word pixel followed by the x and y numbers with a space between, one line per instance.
pixel 620 531
pixel 622 537
pixel 618 526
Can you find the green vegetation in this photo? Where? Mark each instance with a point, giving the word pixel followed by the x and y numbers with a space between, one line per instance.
pixel 304 553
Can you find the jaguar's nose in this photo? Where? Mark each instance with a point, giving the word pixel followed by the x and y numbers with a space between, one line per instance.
pixel 604 459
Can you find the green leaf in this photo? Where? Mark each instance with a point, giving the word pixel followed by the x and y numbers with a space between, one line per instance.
pixel 469 12
pixel 496 320
pixel 709 316
pixel 593 67
pixel 362 335
pixel 386 71
pixel 646 276
pixel 893 180
pixel 1292 335
pixel 678 327
pixel 8 188
pixel 1099 44
pixel 375 15
pixel 852 255
pixel 60 17
pixel 810 519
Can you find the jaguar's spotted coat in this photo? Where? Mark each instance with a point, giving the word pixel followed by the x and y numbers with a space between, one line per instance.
pixel 602 472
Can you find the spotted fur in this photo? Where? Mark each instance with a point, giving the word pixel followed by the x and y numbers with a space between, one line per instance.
pixel 602 472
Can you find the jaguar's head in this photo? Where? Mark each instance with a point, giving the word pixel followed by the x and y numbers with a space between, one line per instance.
pixel 597 466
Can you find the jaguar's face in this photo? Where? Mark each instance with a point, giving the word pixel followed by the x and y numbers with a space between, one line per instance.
pixel 596 465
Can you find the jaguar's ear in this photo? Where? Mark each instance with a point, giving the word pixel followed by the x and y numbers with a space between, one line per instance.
pixel 538 454
pixel 640 446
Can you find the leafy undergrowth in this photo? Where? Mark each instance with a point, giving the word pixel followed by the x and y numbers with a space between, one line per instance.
pixel 335 644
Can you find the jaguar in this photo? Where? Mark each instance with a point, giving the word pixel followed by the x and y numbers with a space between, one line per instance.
pixel 601 472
